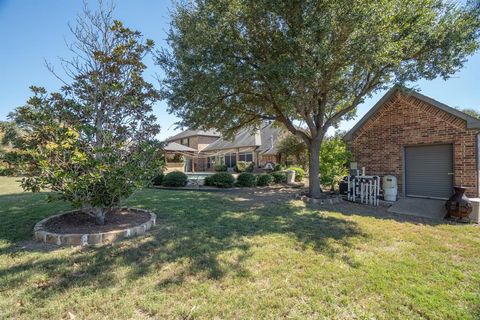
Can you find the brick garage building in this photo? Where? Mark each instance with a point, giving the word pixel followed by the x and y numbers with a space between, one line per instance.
pixel 427 145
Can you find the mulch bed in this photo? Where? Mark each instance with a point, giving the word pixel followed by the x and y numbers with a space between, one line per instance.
pixel 79 222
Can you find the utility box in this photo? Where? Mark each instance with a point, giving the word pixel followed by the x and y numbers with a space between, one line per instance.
pixel 390 188
pixel 475 215
pixel 290 177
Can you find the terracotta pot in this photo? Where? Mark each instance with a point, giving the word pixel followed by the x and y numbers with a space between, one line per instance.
pixel 458 205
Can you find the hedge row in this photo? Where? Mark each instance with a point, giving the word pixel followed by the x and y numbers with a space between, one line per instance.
pixel 245 179
pixel 226 180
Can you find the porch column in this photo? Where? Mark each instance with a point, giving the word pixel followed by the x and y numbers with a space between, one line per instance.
pixel 193 163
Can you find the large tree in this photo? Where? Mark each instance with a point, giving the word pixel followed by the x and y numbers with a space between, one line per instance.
pixel 233 63
pixel 93 142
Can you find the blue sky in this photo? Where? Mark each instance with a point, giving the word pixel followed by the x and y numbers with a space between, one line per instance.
pixel 32 31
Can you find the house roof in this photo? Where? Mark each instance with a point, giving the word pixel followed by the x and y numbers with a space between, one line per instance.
pixel 265 140
pixel 191 133
pixel 472 122
pixel 173 146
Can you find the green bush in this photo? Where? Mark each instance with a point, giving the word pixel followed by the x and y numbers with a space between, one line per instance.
pixel 279 167
pixel 299 173
pixel 264 180
pixel 158 179
pixel 244 166
pixel 7 172
pixel 175 179
pixel 221 180
pixel 334 159
pixel 279 176
pixel 246 179
pixel 220 168
pixel 208 181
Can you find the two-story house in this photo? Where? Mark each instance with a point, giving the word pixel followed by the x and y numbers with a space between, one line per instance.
pixel 200 151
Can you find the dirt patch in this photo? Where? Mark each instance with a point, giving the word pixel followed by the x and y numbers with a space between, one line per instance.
pixel 78 222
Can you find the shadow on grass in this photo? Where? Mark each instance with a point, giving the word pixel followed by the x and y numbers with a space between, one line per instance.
pixel 20 212
pixel 193 229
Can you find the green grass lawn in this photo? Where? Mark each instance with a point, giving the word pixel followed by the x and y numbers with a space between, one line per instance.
pixel 217 256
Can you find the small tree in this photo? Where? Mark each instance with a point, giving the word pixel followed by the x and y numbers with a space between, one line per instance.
pixel 296 147
pixel 334 158
pixel 235 63
pixel 93 143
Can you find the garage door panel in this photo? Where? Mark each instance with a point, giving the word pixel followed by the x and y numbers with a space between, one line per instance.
pixel 428 171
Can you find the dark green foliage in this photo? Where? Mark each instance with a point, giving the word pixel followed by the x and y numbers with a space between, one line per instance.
pixel 222 180
pixel 208 181
pixel 299 173
pixel 175 179
pixel 279 167
pixel 264 180
pixel 244 166
pixel 6 171
pixel 157 181
pixel 246 179
pixel 279 176
pixel 220 168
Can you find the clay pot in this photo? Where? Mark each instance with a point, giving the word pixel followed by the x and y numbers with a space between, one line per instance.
pixel 458 205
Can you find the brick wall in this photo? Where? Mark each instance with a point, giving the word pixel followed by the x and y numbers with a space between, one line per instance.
pixel 404 121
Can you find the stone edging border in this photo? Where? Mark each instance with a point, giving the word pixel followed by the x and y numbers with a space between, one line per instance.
pixel 87 239
pixel 328 200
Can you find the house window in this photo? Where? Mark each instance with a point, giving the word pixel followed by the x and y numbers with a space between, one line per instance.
pixel 231 160
pixel 245 156
pixel 185 142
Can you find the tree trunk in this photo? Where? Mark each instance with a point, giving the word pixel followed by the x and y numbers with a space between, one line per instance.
pixel 99 214
pixel 314 189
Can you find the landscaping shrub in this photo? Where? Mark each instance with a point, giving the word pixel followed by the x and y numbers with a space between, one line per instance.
pixel 208 181
pixel 220 168
pixel 264 180
pixel 175 179
pixel 6 172
pixel 299 173
pixel 244 166
pixel 158 179
pixel 279 167
pixel 334 159
pixel 222 180
pixel 246 179
pixel 279 176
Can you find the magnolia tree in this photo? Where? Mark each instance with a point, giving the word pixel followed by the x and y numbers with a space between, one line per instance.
pixel 93 142
pixel 234 63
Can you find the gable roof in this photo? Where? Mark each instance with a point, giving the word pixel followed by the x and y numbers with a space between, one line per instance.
pixel 472 122
pixel 173 146
pixel 192 132
pixel 265 140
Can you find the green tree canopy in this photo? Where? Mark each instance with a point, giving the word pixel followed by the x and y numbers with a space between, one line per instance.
pixel 472 112
pixel 233 63
pixel 93 142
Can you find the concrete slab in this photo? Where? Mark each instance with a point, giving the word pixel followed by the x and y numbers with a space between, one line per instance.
pixel 426 208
